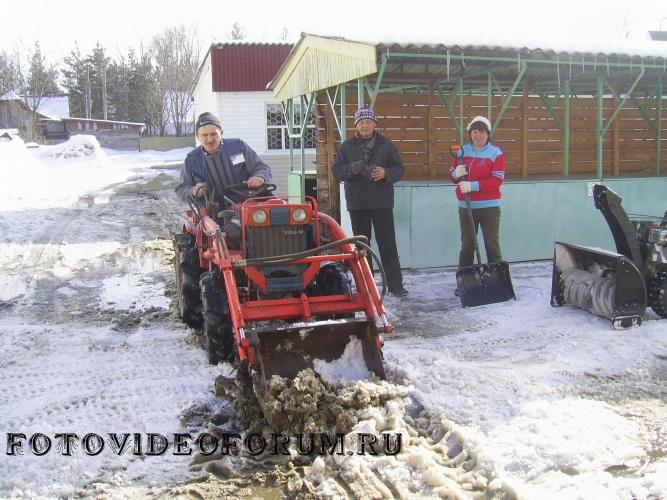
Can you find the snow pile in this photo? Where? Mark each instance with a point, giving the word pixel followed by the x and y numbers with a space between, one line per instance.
pixel 58 176
pixel 76 147
pixel 562 405
pixel 173 156
pixel 53 176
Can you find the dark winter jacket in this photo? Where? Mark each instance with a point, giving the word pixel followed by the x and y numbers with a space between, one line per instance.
pixel 361 192
pixel 236 162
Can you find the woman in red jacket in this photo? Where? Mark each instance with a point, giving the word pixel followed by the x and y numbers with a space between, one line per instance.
pixel 478 173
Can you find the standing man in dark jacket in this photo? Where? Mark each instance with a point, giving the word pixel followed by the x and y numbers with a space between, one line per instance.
pixel 370 164
pixel 217 163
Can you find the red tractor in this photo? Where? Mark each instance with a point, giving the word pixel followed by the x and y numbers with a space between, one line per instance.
pixel 278 287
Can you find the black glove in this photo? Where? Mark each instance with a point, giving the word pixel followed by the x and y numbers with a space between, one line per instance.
pixel 357 167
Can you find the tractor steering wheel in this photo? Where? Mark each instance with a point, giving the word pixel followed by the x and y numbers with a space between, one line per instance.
pixel 243 191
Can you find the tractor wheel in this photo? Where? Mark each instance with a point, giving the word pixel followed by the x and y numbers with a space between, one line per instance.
pixel 332 279
pixel 218 332
pixel 657 294
pixel 186 266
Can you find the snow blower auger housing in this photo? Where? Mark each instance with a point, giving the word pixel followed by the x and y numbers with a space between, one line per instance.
pixel 280 289
pixel 615 285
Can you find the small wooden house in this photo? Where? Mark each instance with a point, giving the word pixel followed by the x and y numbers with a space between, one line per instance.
pixel 110 134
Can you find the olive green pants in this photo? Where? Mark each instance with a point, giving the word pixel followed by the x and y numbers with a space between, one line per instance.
pixel 489 220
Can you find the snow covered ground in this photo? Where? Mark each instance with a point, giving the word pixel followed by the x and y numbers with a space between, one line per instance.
pixel 510 400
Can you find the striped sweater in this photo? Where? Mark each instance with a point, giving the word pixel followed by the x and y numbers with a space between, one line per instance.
pixel 486 172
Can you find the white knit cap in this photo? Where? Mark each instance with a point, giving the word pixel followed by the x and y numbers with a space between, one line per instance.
pixel 482 119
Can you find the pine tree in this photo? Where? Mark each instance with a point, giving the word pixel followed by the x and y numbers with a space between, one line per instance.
pixel 76 83
pixel 97 64
pixel 118 88
pixel 7 73
pixel 42 77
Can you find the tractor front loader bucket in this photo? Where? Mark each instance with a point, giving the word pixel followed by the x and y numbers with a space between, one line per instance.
pixel 601 282
pixel 336 350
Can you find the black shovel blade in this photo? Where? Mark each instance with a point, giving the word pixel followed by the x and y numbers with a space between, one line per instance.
pixel 485 284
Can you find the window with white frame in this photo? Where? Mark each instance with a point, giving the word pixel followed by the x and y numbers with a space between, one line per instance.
pixel 276 129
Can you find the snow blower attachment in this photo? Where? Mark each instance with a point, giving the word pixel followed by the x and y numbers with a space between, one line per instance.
pixel 615 285
pixel 281 289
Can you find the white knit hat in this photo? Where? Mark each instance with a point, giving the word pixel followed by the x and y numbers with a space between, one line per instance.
pixel 482 119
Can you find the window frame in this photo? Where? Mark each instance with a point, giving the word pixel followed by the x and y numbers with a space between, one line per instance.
pixel 282 127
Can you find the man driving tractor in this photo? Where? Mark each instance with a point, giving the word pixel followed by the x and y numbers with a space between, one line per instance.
pixel 218 163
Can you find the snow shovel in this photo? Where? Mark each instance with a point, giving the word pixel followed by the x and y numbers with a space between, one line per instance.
pixel 483 283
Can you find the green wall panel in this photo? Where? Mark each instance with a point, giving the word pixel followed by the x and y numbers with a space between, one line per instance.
pixel 534 215
pixel 294 184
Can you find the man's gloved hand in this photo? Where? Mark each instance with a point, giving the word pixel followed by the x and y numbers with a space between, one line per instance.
pixel 460 171
pixel 199 189
pixel 377 173
pixel 357 167
pixel 465 187
pixel 255 182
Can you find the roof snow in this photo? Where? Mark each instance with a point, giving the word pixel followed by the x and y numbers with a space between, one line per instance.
pixel 53 107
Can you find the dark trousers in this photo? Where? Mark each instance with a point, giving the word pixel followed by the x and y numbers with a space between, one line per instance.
pixel 489 219
pixel 382 221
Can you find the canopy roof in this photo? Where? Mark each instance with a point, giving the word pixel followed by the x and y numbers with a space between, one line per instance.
pixel 317 63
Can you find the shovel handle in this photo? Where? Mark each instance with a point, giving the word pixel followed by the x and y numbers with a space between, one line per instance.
pixel 472 227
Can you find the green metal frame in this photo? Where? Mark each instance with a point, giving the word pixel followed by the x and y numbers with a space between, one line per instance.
pixel 305 110
pixel 449 104
pixel 601 127
pixel 598 67
pixel 508 97
pixel 452 90
pixel 566 130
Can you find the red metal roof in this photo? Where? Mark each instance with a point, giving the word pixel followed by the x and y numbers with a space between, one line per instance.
pixel 246 67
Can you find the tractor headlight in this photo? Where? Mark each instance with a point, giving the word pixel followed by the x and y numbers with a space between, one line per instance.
pixel 259 216
pixel 299 215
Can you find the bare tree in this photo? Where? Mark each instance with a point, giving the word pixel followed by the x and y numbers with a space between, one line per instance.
pixel 237 32
pixel 284 36
pixel 626 27
pixel 35 79
pixel 175 53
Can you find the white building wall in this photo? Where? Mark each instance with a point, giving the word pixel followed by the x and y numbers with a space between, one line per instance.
pixel 204 98
pixel 243 115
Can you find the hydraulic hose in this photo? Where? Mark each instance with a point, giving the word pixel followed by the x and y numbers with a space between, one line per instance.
pixel 360 241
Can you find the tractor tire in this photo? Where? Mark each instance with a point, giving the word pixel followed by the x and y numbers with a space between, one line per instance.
pixel 657 294
pixel 332 279
pixel 186 267
pixel 218 332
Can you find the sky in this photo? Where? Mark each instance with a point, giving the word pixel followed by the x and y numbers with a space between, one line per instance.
pixel 123 24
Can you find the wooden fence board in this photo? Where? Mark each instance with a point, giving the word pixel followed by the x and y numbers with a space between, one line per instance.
pixel 422 129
